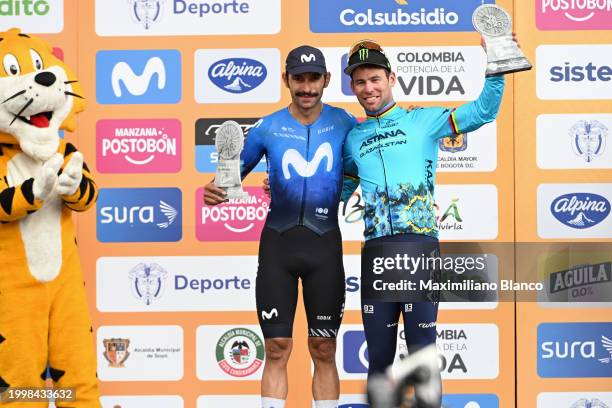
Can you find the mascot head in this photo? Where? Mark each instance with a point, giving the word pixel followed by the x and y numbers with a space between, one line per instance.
pixel 38 95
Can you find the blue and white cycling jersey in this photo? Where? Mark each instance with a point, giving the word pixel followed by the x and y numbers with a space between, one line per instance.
pixel 304 166
pixel 395 154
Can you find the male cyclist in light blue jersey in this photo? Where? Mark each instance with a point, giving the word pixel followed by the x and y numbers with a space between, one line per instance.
pixel 393 154
pixel 301 238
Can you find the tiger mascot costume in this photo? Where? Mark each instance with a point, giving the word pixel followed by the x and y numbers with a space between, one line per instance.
pixel 45 328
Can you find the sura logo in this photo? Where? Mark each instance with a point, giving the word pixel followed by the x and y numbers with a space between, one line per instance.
pixel 24 7
pixel 588 139
pixel 580 210
pixel 146 12
pixel 237 75
pixel 577 10
pixel 577 350
pixel 307 168
pixel 138 84
pixel 139 215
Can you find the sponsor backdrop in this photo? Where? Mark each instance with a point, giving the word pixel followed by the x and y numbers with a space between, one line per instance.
pixel 171 281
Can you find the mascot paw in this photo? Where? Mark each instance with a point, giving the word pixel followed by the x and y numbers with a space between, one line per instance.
pixel 45 181
pixel 70 179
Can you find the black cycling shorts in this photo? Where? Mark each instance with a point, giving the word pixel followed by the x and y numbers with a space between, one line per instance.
pixel 317 261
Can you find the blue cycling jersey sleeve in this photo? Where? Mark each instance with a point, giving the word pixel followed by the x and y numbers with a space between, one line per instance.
pixel 254 149
pixel 468 117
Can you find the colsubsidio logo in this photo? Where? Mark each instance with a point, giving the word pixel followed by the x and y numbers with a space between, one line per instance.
pixel 580 210
pixel 575 350
pixel 574 14
pixel 139 215
pixel 236 220
pixel 332 16
pixel 138 146
pixel 588 139
pixel 24 7
pixel 237 75
pixel 206 155
pixel 138 77
pixel 470 401
pixel 148 281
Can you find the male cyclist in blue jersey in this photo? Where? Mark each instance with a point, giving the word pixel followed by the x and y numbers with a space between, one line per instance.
pixel 394 154
pixel 301 238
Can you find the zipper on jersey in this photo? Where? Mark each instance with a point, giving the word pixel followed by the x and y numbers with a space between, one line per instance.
pixel 301 220
pixel 382 161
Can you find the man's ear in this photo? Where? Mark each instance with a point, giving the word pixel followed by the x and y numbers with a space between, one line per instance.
pixel 392 79
pixel 327 79
pixel 286 79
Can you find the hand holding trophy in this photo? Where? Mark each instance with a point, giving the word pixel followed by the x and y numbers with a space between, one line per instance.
pixel 229 142
pixel 503 54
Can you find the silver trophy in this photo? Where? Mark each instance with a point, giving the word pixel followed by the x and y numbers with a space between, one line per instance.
pixel 229 142
pixel 503 55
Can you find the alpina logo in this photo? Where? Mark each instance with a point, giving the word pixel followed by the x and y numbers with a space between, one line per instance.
pixel 580 210
pixel 574 14
pixel 237 75
pixel 236 220
pixel 138 146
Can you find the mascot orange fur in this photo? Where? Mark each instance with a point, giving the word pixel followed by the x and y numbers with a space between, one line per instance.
pixel 44 319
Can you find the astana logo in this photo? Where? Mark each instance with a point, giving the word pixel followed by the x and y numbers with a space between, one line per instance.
pixel 307 168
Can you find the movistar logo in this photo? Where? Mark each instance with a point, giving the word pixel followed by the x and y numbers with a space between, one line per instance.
pixel 308 58
pixel 307 168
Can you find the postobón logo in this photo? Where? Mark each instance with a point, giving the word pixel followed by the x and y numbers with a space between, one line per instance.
pixel 236 220
pixel 138 145
pixel 237 75
pixel 138 77
pixel 305 168
pixel 574 14
pixel 333 16
pixel 240 352
pixel 33 16
pixel 148 281
pixel 580 210
pixel 470 401
pixel 139 215
pixel 206 155
pixel 575 350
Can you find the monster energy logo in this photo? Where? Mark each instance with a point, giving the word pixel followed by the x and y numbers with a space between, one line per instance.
pixel 363 54
pixel 452 210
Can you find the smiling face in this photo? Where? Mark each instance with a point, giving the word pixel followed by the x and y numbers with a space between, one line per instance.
pixel 36 94
pixel 373 87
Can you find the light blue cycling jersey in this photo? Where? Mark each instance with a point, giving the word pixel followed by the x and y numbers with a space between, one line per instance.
pixel 395 153
pixel 304 166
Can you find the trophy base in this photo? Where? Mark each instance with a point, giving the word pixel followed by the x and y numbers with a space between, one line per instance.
pixel 508 66
pixel 236 193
